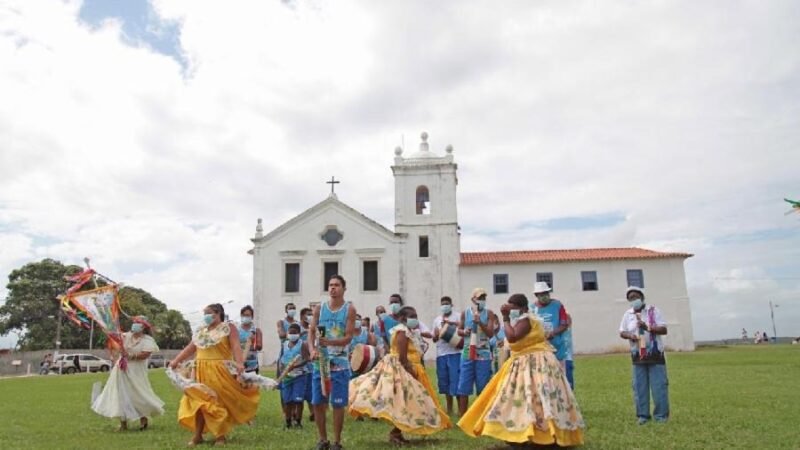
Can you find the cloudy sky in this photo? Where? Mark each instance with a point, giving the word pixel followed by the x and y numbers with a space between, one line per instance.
pixel 150 136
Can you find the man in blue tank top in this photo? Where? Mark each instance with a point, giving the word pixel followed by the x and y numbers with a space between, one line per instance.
pixel 331 330
pixel 554 318
pixel 476 363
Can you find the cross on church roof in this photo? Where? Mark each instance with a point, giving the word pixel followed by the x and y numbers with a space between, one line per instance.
pixel 333 183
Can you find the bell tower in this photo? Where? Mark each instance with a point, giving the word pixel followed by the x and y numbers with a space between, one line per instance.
pixel 425 210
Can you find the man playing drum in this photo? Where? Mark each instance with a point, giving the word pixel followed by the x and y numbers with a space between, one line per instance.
pixel 448 351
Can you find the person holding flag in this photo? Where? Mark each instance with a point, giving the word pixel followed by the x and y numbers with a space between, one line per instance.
pixel 477 326
pixel 127 394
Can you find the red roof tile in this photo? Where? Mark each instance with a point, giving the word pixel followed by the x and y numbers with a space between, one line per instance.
pixel 585 254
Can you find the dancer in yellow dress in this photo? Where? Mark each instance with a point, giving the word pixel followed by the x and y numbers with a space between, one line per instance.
pixel 397 389
pixel 227 403
pixel 529 399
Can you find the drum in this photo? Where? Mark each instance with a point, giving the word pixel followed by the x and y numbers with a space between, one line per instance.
pixel 363 358
pixel 449 334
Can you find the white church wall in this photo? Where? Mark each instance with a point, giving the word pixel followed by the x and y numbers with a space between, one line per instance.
pixel 302 244
pixel 596 314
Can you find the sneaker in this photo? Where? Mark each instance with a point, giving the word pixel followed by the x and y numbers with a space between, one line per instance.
pixel 336 446
pixel 288 424
pixel 643 420
pixel 323 445
pixel 660 420
pixel 297 423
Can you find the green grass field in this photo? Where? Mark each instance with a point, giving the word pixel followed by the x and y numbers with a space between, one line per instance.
pixel 738 397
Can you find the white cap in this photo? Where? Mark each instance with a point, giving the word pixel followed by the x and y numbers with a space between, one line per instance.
pixel 540 286
pixel 634 289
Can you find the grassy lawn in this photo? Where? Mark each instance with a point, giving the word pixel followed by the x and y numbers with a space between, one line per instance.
pixel 740 397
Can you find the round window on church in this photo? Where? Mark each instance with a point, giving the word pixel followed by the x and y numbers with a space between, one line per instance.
pixel 332 236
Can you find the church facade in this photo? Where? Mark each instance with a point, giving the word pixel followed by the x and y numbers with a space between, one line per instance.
pixel 421 259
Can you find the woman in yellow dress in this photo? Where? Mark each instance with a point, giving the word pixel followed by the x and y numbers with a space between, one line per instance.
pixel 529 399
pixel 397 389
pixel 225 402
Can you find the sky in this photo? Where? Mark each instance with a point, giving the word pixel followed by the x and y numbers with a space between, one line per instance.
pixel 150 136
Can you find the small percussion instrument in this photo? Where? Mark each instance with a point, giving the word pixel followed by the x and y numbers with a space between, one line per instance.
pixel 449 334
pixel 363 358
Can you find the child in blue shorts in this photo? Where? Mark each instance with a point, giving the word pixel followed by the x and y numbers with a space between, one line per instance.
pixel 295 377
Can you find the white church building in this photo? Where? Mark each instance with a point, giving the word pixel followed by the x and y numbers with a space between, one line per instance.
pixel 421 260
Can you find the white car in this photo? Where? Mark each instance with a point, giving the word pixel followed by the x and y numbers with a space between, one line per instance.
pixel 87 362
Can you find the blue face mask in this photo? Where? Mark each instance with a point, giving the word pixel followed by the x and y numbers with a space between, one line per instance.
pixel 208 318
pixel 481 305
pixel 395 307
pixel 291 313
pixel 446 309
pixel 514 314
pixel 293 337
pixel 412 323
pixel 357 324
pixel 137 328
pixel 637 304
pixel 382 316
pixel 247 320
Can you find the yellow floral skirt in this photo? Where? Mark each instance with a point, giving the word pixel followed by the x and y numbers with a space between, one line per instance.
pixel 224 404
pixel 390 393
pixel 528 400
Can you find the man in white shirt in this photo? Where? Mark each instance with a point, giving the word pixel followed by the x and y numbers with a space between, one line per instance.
pixel 642 325
pixel 448 357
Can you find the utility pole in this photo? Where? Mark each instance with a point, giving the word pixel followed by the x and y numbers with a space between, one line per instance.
pixel 772 316
pixel 58 339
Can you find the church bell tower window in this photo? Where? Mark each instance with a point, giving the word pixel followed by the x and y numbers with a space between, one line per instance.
pixel 423 201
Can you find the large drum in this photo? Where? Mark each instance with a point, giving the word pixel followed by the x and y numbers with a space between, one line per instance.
pixel 363 358
pixel 449 334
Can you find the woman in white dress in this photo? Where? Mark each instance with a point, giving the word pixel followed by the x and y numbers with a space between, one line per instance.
pixel 127 395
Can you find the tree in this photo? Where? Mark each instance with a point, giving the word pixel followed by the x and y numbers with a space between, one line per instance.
pixel 32 310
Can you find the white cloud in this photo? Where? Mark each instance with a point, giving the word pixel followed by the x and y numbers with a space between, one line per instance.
pixel 682 117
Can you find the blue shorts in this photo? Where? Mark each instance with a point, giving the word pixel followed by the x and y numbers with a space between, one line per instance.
pixel 474 373
pixel 340 380
pixel 447 370
pixel 294 390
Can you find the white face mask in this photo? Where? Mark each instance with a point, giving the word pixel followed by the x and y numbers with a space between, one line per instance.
pixel 395 307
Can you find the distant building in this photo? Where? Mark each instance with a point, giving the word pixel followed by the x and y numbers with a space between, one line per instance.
pixel 422 261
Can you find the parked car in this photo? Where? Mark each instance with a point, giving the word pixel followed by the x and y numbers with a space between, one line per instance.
pixel 156 360
pixel 88 363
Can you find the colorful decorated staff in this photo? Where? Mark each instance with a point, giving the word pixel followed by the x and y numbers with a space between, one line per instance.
pixel 324 365
pixel 642 338
pixel 296 361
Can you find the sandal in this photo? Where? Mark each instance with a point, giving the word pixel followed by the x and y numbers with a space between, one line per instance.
pixel 220 441
pixel 194 442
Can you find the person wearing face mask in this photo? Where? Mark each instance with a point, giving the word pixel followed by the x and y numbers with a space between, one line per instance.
pixel 529 399
pixel 305 322
pixel 414 407
pixel 448 356
pixel 283 325
pixel 555 319
pixel 216 348
pixel 250 339
pixel 642 325
pixel 391 319
pixel 476 358
pixel 379 330
pixel 127 394
pixel 293 384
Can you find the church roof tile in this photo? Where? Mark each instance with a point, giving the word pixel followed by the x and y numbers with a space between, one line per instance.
pixel 585 254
